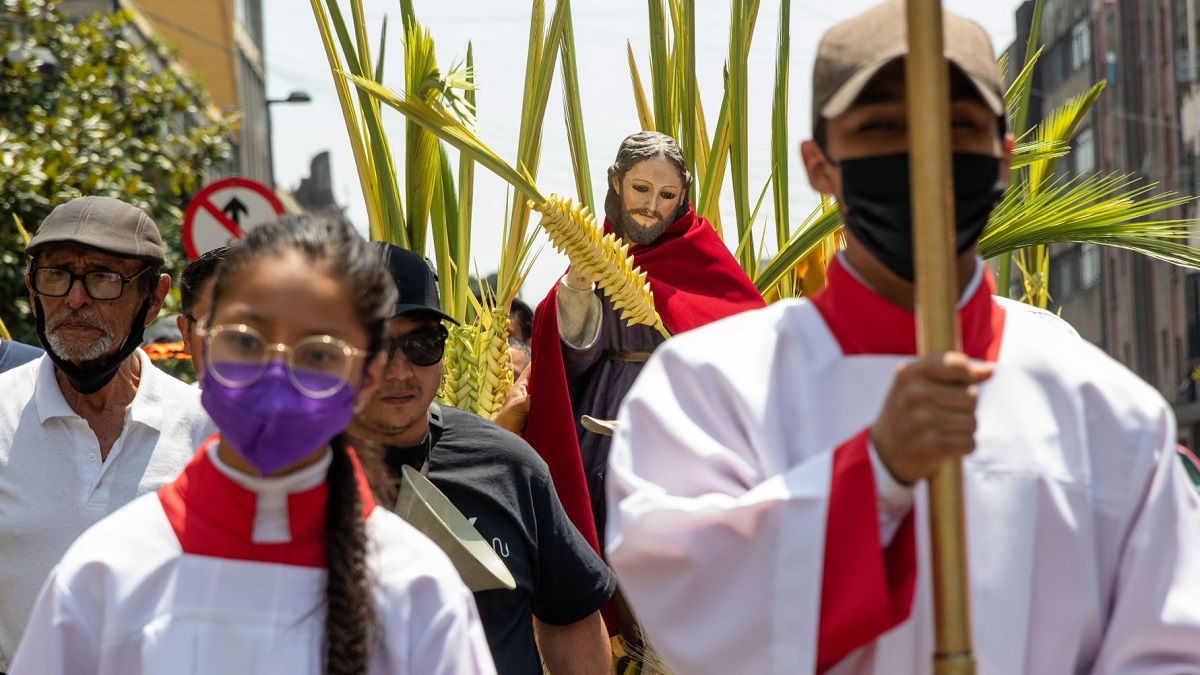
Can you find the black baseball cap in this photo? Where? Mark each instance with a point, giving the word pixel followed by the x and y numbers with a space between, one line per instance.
pixel 102 223
pixel 415 280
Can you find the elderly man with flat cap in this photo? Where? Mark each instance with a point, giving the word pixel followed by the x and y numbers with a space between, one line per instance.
pixel 92 424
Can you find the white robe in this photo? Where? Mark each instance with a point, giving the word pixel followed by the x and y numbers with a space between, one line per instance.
pixel 1084 535
pixel 126 599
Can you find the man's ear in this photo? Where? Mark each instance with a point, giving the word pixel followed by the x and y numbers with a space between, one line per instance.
pixel 821 173
pixel 181 322
pixel 615 181
pixel 33 304
pixel 157 297
pixel 1006 152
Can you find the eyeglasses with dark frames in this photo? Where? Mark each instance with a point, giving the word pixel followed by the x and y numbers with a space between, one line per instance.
pixel 55 282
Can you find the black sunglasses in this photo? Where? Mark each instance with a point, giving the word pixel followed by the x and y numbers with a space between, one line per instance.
pixel 421 347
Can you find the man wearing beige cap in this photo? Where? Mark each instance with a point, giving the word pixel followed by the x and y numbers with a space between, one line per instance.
pixel 92 424
pixel 767 483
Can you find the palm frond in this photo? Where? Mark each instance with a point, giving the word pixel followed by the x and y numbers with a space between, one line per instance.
pixel 421 171
pixel 737 89
pixel 746 240
pixel 382 50
pixel 434 118
pixel 1020 96
pixel 1017 104
pixel 1060 126
pixel 573 112
pixel 443 221
pixel 1105 210
pixel 688 86
pixel 660 79
pixel 707 203
pixel 460 237
pixel 644 112
pixel 378 150
pixel 1033 152
pixel 363 161
pixel 544 49
pixel 818 226
pixel 779 135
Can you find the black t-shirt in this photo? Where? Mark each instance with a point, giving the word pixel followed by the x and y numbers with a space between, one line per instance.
pixel 500 483
pixel 13 354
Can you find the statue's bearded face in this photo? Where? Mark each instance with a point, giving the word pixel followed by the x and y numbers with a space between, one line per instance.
pixel 650 192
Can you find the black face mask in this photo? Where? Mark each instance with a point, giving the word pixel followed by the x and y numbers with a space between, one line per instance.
pixel 93 375
pixel 877 206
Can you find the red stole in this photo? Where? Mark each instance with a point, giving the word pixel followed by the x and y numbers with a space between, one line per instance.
pixel 695 281
pixel 214 516
pixel 867 589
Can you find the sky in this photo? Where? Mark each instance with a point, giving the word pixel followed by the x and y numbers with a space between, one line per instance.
pixel 498 32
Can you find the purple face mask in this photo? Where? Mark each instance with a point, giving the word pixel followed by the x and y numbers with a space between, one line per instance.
pixel 271 423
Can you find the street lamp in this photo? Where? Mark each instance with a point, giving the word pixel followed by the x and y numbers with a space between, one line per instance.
pixel 297 96
pixel 294 97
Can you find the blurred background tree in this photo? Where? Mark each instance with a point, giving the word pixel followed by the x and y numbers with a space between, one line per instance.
pixel 93 108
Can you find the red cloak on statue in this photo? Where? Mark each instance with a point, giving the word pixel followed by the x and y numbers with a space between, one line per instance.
pixel 695 281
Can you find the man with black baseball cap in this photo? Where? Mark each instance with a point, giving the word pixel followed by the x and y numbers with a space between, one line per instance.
pixel 767 498
pixel 498 483
pixel 92 424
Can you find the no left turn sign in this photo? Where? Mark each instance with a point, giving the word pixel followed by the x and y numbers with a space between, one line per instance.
pixel 224 211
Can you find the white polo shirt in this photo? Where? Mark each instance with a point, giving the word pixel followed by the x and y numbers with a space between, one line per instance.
pixel 53 484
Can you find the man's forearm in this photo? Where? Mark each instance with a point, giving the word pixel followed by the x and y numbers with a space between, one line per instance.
pixel 580 648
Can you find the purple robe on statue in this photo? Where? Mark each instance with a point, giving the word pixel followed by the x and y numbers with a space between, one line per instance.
pixel 599 375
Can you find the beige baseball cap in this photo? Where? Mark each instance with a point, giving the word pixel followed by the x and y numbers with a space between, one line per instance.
pixel 852 52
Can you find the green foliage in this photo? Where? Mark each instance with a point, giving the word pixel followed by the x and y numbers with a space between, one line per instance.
pixel 113 123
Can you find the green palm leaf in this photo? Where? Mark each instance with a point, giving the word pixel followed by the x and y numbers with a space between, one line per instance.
pixel 573 111
pixel 436 119
pixel 660 79
pixel 644 112
pixel 816 227
pixel 543 53
pixel 1032 152
pixel 779 138
pixel 1104 210
pixel 1058 127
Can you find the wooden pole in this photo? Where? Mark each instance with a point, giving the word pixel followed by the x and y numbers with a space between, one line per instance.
pixel 928 86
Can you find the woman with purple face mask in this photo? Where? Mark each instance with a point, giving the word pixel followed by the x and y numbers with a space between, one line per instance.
pixel 267 554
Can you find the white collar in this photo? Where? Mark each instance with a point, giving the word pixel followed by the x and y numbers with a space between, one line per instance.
pixel 967 294
pixel 146 407
pixel 271 503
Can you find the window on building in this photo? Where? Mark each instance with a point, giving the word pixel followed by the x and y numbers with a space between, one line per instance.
pixel 1083 151
pixel 1052 63
pixel 1081 45
pixel 1089 265
pixel 1064 275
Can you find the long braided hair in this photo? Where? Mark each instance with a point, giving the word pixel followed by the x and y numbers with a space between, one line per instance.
pixel 338 251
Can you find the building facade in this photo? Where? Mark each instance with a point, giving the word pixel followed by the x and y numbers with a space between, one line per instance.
pixel 220 42
pixel 1143 312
